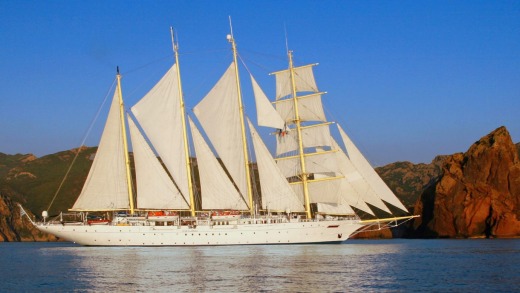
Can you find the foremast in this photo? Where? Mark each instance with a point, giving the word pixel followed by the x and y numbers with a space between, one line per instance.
pixel 242 123
pixel 184 129
pixel 125 142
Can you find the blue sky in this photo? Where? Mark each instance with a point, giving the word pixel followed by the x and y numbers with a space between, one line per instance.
pixel 408 80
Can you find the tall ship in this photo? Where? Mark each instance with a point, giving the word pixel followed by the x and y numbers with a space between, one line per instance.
pixel 312 190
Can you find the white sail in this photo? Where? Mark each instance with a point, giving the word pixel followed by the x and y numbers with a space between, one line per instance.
pixel 219 115
pixel 356 189
pixel 303 79
pixel 266 114
pixel 276 191
pixel 368 173
pixel 350 196
pixel 155 189
pixel 217 190
pixel 344 188
pixel 317 135
pixel 159 114
pixel 324 190
pixel 106 187
pixel 310 108
pixel 321 162
pixel 335 209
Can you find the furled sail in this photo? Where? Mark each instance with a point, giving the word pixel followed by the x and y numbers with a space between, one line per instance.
pixel 368 173
pixel 159 114
pixel 276 191
pixel 106 187
pixel 155 189
pixel 266 114
pixel 219 115
pixel 217 190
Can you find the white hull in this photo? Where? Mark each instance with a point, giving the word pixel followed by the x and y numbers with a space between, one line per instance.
pixel 328 231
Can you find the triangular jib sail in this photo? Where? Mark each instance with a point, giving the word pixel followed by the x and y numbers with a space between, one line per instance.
pixel 369 174
pixel 106 187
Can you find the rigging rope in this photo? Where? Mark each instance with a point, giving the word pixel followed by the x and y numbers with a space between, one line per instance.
pixel 82 143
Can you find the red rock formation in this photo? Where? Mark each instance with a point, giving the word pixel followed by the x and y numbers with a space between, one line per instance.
pixel 13 227
pixel 376 234
pixel 477 193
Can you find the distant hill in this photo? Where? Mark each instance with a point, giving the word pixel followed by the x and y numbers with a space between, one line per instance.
pixel 34 181
pixel 408 180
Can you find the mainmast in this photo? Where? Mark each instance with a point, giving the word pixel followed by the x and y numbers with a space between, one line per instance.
pixel 297 122
pixel 125 142
pixel 184 130
pixel 242 125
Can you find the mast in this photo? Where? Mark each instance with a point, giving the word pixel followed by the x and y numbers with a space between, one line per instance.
pixel 125 142
pixel 184 130
pixel 242 125
pixel 297 122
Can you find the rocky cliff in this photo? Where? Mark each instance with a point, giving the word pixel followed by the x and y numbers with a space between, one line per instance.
pixel 477 193
pixel 14 227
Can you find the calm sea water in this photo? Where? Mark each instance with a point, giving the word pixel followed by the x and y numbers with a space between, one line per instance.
pixel 358 265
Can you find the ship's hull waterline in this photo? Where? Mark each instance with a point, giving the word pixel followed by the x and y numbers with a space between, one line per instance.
pixel 241 234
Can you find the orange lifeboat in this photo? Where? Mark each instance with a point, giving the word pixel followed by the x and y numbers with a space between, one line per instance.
pixel 223 215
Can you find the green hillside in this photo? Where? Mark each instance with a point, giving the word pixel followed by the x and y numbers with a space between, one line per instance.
pixel 34 181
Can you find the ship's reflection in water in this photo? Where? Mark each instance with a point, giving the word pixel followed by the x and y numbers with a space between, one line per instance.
pixel 223 268
pixel 386 265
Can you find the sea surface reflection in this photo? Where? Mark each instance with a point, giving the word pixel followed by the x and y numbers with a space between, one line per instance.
pixel 357 265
